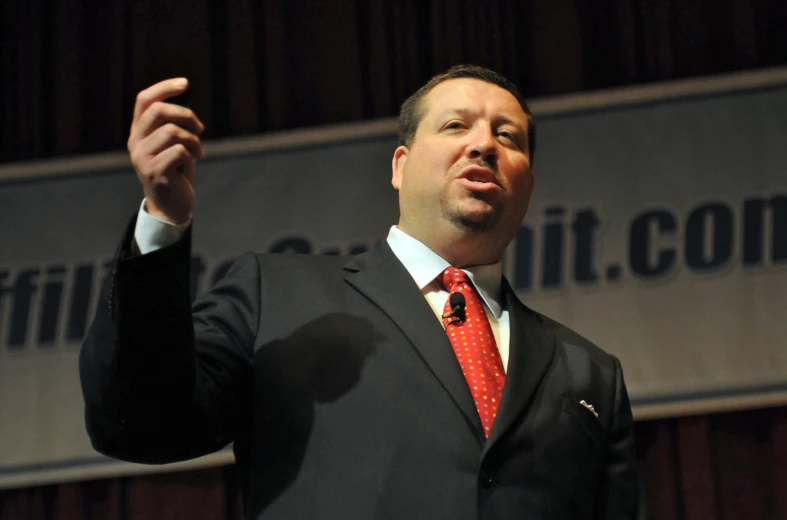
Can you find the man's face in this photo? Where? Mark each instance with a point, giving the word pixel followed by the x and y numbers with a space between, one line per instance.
pixel 469 164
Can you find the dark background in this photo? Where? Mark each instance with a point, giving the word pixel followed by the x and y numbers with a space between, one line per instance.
pixel 69 71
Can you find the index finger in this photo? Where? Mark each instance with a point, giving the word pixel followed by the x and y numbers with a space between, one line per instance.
pixel 159 92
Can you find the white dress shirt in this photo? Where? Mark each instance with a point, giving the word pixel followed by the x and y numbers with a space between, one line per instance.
pixel 423 264
pixel 152 233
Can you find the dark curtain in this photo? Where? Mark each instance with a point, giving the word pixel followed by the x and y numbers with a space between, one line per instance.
pixel 69 71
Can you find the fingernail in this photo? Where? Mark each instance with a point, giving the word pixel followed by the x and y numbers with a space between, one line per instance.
pixel 180 83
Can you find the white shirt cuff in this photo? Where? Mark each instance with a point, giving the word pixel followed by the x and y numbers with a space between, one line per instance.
pixel 152 233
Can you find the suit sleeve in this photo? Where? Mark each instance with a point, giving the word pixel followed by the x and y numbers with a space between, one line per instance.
pixel 164 381
pixel 618 489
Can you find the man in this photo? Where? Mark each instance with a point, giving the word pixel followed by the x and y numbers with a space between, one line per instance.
pixel 342 392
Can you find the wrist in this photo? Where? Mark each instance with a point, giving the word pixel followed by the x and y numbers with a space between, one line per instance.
pixel 169 218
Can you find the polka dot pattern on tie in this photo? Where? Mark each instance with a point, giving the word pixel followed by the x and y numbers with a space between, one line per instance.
pixel 475 347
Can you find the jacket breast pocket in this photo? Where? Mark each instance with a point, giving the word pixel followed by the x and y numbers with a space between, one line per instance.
pixel 585 417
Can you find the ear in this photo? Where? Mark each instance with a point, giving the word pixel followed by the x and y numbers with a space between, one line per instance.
pixel 397 166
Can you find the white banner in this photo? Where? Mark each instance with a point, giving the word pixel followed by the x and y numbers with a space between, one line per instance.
pixel 658 230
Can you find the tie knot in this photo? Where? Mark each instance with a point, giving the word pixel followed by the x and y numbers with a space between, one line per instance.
pixel 452 277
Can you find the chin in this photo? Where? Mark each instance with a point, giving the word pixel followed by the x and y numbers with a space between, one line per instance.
pixel 476 222
pixel 473 214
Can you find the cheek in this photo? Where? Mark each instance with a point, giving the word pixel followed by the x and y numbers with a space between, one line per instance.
pixel 432 171
pixel 419 183
pixel 520 179
pixel 520 193
pixel 440 155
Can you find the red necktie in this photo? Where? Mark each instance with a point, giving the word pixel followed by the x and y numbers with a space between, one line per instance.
pixel 475 347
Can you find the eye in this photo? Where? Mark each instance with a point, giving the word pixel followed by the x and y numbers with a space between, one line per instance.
pixel 454 125
pixel 510 136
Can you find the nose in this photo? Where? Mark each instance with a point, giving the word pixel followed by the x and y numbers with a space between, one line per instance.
pixel 484 147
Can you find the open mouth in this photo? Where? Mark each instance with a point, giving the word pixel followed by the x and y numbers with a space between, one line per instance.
pixel 478 175
pixel 478 185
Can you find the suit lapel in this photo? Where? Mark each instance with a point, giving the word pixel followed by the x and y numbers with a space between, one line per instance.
pixel 531 349
pixel 382 278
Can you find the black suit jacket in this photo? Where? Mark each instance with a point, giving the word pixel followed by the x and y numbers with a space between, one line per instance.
pixel 343 397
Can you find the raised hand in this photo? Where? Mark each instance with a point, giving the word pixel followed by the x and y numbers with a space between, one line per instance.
pixel 164 147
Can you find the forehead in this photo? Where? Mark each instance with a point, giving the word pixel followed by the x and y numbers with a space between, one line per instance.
pixel 474 95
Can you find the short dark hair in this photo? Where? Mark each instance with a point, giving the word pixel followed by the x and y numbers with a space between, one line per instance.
pixel 412 111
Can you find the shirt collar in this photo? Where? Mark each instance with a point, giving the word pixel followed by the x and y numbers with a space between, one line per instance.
pixel 424 265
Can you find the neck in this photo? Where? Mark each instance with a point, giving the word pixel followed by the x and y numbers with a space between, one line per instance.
pixel 462 249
